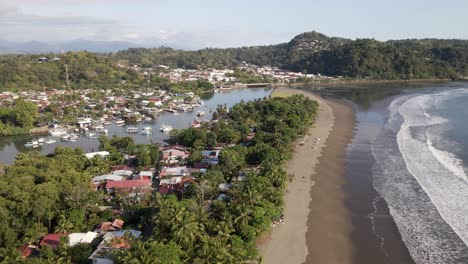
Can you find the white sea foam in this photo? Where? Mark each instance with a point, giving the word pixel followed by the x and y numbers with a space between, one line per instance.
pixel 424 187
pixel 435 173
pixel 449 160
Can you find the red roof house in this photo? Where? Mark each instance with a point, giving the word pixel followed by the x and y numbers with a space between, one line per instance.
pixel 52 240
pixel 128 184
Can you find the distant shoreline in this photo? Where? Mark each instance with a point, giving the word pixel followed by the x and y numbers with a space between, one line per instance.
pixel 338 83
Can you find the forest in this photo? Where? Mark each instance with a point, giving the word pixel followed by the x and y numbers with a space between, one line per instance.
pixel 310 52
pixel 43 194
pixel 17 118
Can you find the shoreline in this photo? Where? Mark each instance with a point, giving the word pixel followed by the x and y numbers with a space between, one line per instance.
pixel 303 238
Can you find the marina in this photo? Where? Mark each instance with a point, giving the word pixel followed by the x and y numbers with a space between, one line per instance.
pixel 87 140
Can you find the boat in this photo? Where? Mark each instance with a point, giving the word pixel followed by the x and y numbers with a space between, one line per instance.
pixel 147 131
pixel 50 141
pixel 70 137
pixel 182 108
pixel 33 144
pixel 101 130
pixel 98 127
pixel 170 110
pixel 196 124
pixel 41 141
pixel 132 129
pixel 120 122
pixel 200 113
pixel 166 128
pixel 91 135
pixel 58 132
pixel 148 118
pixel 107 123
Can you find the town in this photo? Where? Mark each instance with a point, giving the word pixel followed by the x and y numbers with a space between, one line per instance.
pixel 124 191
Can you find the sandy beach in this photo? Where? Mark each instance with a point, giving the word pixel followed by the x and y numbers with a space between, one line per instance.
pixel 317 226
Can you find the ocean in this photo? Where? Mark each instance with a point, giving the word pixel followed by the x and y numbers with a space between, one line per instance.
pixel 421 168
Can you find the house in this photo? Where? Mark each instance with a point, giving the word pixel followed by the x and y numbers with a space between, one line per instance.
pixel 112 241
pixel 172 155
pixel 174 185
pixel 27 251
pixel 107 177
pixel 99 153
pixel 176 171
pixel 87 238
pixel 116 225
pixel 124 173
pixel 113 186
pixel 52 240
pixel 211 157
pixel 146 174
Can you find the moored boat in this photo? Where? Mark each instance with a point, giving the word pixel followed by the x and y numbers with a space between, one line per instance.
pixel 166 128
pixel 132 129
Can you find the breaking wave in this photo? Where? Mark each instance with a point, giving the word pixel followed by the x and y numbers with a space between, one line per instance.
pixel 426 188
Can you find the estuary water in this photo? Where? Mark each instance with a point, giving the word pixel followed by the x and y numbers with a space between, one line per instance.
pixel 11 146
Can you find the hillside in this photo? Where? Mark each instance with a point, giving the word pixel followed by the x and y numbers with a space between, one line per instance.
pixel 310 52
pixel 314 52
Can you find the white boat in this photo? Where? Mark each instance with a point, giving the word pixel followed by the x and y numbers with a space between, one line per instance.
pixel 107 123
pixel 120 122
pixel 102 130
pixel 99 127
pixel 200 113
pixel 166 128
pixel 132 129
pixel 50 141
pixel 148 119
pixel 58 132
pixel 32 144
pixel 70 137
pixel 41 140
pixel 91 135
pixel 147 131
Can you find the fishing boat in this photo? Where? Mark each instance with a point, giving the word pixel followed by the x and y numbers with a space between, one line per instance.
pixel 147 131
pixel 33 144
pixel 120 122
pixel 50 141
pixel 166 128
pixel 70 137
pixel 91 135
pixel 132 129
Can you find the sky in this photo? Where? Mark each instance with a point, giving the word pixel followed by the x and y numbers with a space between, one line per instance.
pixel 192 24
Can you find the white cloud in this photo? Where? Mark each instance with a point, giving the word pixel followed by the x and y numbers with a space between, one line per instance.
pixel 16 25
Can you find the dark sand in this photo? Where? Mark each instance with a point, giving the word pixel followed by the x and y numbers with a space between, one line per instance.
pixel 329 223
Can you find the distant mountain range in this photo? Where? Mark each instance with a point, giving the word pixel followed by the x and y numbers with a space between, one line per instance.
pixel 30 47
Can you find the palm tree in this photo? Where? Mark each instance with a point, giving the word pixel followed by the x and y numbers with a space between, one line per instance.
pixel 9 255
pixel 186 229
pixel 63 225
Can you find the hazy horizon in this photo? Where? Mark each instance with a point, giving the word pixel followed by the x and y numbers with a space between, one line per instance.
pixel 208 23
